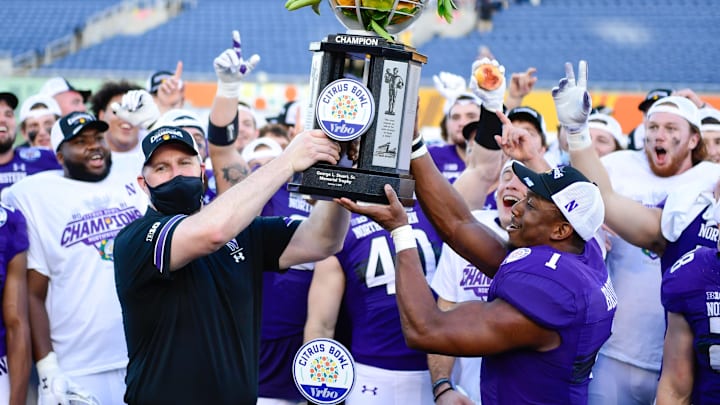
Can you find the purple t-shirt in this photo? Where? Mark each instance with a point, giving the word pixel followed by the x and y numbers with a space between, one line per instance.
pixel 699 232
pixel 284 310
pixel 368 261
pixel 691 287
pixel 211 191
pixel 13 240
pixel 571 294
pixel 447 160
pixel 286 316
pixel 25 162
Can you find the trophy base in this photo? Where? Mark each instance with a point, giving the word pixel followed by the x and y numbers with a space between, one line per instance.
pixel 326 182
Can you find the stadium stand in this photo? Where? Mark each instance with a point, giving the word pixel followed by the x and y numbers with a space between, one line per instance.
pixel 31 24
pixel 630 44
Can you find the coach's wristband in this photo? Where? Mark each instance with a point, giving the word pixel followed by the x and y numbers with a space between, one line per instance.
pixel 222 136
pixel 403 238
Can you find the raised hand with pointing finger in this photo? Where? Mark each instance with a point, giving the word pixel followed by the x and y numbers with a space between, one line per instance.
pixel 171 92
pixel 231 68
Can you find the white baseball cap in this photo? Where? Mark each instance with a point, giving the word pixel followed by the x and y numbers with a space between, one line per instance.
pixel 709 119
pixel 57 85
pixel 273 150
pixel 72 125
pixel 677 105
pixel 462 98
pixel 38 105
pixel 181 118
pixel 576 197
pixel 608 124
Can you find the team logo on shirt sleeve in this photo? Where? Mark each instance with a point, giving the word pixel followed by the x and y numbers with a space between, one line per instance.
pixel 235 250
pixel 29 154
pixel 324 371
pixel 517 254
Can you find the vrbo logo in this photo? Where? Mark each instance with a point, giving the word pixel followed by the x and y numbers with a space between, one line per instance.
pixel 324 371
pixel 323 393
pixel 341 129
pixel 345 109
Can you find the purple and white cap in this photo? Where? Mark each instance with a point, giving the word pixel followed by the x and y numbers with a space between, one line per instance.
pixel 578 199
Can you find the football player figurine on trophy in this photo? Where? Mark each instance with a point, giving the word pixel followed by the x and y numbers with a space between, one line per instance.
pixel 363 93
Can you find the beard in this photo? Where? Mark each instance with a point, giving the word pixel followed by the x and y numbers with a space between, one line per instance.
pixel 667 170
pixel 7 144
pixel 78 171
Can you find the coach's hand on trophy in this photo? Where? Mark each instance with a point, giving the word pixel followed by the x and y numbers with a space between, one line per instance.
pixel 231 68
pixel 310 147
pixel 138 108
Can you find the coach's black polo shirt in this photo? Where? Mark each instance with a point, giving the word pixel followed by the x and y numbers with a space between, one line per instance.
pixel 193 334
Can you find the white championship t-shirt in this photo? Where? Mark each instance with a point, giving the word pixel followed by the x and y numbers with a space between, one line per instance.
pixel 72 227
pixel 639 324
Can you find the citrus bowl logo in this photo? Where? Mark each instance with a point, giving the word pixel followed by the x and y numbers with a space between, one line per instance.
pixel 345 109
pixel 324 371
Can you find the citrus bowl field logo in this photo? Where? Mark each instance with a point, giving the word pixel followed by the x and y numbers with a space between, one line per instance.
pixel 345 109
pixel 324 371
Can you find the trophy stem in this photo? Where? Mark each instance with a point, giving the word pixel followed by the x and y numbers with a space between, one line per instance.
pixel 361 32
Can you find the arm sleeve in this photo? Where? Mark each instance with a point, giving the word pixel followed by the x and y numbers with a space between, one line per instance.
pixel 18 229
pixel 36 257
pixel 142 251
pixel 271 235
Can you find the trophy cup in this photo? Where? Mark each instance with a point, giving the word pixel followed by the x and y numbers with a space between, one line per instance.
pixel 363 94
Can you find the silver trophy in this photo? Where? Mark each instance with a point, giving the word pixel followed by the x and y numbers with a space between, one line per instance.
pixel 364 94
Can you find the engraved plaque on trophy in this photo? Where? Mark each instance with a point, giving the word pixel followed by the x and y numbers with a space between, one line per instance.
pixel 363 94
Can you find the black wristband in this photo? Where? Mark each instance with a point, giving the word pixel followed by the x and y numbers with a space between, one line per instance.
pixel 439 382
pixel 223 136
pixel 417 144
pixel 435 398
pixel 488 126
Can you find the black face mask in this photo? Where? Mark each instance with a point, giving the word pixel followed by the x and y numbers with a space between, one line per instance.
pixel 181 195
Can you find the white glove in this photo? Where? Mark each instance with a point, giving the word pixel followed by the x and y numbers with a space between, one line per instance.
pixel 56 388
pixel 138 108
pixel 231 68
pixel 573 105
pixel 450 85
pixel 492 99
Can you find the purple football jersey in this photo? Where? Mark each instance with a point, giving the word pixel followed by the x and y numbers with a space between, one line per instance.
pixel 285 317
pixel 13 240
pixel 447 160
pixel 571 294
pixel 699 232
pixel 25 162
pixel 211 191
pixel 691 287
pixel 451 165
pixel 368 261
